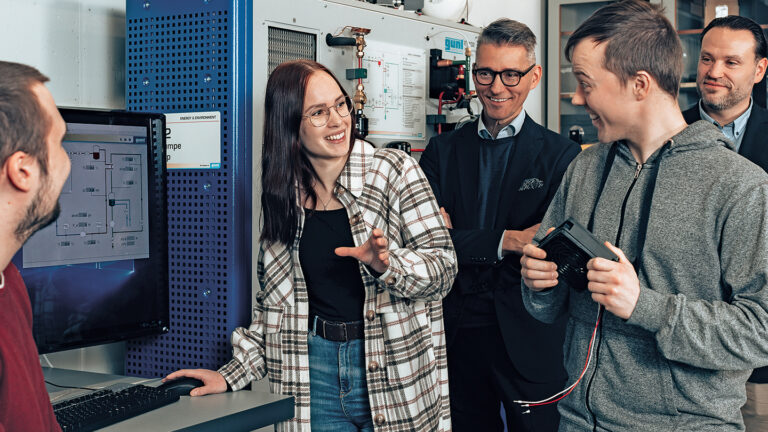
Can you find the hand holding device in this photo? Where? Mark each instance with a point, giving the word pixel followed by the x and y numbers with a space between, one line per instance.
pixel 614 284
pixel 570 247
pixel 585 263
pixel 538 274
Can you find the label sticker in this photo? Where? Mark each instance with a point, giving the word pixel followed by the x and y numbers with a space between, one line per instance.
pixel 455 46
pixel 193 140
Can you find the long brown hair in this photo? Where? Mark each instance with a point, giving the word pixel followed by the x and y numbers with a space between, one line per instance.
pixel 284 164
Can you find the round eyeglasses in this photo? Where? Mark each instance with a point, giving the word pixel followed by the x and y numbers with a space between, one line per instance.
pixel 509 77
pixel 319 115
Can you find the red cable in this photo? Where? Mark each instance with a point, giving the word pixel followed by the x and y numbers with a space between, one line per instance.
pixel 359 66
pixel 441 102
pixel 586 363
pixel 440 112
pixel 458 98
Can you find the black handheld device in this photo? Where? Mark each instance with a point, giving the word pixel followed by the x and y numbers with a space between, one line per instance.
pixel 571 246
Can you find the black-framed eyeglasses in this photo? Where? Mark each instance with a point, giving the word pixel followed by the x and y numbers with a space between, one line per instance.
pixel 509 77
pixel 319 115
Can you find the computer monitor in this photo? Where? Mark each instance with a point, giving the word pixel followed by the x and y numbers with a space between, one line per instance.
pixel 99 273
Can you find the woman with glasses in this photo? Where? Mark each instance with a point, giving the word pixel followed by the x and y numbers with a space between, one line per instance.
pixel 353 263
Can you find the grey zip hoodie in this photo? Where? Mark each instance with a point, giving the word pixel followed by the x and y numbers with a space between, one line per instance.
pixel 679 363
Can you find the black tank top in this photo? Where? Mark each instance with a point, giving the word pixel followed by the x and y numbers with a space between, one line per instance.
pixel 334 283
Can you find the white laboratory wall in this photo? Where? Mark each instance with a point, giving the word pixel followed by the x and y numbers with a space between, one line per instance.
pixel 80 45
pixel 533 14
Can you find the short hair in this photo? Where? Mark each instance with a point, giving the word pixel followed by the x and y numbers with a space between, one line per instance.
pixel 734 22
pixel 638 37
pixel 24 124
pixel 505 31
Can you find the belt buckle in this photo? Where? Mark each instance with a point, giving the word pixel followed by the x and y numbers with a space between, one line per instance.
pixel 325 334
pixel 346 336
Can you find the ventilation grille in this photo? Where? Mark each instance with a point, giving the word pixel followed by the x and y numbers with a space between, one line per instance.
pixel 286 45
pixel 184 63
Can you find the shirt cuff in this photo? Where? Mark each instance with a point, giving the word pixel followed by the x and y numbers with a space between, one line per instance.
pixel 230 371
pixel 501 242
pixel 389 277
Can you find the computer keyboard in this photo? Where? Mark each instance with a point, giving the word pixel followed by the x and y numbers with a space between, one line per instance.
pixel 105 407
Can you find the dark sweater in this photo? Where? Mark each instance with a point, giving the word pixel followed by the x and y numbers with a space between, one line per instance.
pixel 493 158
pixel 24 403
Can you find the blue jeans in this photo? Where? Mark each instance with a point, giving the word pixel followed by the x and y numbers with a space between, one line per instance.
pixel 337 388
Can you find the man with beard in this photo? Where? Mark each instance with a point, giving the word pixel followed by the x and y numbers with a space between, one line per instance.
pixel 732 61
pixel 33 169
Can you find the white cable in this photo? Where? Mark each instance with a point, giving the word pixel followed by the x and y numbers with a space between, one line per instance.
pixel 586 368
pixel 584 371
pixel 465 119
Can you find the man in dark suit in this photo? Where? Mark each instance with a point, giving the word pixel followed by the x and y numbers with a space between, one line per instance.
pixel 732 61
pixel 494 179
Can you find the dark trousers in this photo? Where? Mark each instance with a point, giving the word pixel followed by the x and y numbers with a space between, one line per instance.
pixel 482 377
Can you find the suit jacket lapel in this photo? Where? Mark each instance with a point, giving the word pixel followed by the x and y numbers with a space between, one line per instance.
pixel 692 114
pixel 753 145
pixel 527 146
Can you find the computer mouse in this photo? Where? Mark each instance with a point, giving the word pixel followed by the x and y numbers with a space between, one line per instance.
pixel 181 386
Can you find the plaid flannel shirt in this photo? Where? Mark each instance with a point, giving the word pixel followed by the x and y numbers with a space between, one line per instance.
pixel 405 353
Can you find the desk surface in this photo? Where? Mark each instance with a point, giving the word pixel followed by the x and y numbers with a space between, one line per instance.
pixel 231 411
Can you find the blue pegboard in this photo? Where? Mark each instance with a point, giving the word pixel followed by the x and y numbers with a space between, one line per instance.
pixel 195 56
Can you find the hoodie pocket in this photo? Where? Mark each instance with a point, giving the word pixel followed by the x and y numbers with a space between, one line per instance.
pixel 635 365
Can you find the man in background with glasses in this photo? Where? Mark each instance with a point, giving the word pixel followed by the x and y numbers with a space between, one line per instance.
pixel 494 179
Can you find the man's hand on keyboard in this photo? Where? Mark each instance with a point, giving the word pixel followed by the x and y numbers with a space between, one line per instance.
pixel 214 381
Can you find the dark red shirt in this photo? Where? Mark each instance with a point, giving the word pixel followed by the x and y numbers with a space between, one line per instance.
pixel 24 402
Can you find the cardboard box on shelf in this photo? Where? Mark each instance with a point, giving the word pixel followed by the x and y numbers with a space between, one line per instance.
pixel 720 8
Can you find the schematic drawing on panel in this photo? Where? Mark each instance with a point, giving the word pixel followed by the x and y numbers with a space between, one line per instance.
pixel 396 83
pixel 103 208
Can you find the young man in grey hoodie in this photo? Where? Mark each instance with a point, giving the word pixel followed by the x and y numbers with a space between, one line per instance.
pixel 687 304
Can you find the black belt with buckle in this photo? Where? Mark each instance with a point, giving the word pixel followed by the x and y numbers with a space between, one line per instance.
pixel 339 331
